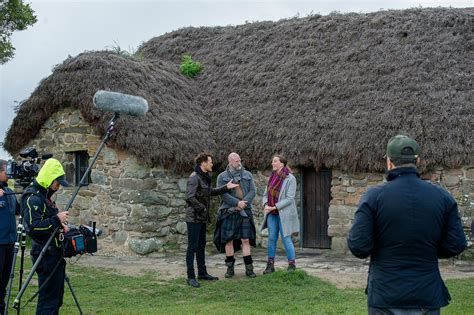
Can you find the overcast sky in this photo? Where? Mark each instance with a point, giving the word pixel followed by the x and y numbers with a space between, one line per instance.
pixel 70 27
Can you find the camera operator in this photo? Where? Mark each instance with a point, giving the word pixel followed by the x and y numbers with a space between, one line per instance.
pixel 8 208
pixel 41 218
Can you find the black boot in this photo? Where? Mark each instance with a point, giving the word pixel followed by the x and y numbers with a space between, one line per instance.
pixel 193 282
pixel 229 262
pixel 249 267
pixel 249 271
pixel 270 268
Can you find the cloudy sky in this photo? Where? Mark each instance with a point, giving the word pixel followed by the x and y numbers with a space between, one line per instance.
pixel 68 27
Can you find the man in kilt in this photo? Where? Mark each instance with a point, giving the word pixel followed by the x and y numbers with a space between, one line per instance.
pixel 235 228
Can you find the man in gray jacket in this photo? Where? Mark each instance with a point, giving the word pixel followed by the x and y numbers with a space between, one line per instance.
pixel 235 227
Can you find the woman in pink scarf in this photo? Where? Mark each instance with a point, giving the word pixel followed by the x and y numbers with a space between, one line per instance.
pixel 281 215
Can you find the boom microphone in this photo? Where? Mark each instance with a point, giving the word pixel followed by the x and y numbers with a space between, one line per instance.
pixel 120 103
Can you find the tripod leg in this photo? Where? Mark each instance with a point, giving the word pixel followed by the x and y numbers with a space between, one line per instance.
pixel 72 292
pixel 20 232
pixel 22 258
pixel 22 263
pixel 16 302
pixel 12 276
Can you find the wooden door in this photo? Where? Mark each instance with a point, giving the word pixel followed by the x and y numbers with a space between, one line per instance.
pixel 316 198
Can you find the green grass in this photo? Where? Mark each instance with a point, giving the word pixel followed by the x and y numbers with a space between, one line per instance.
pixel 101 291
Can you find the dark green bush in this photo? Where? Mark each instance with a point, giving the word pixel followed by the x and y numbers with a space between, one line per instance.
pixel 189 67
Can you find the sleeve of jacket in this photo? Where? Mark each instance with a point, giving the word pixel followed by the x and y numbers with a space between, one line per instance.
pixel 453 241
pixel 227 198
pixel 361 235
pixel 193 184
pixel 33 217
pixel 290 194
pixel 219 190
pixel 252 191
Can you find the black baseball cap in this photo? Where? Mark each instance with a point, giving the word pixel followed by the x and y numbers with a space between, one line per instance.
pixel 62 180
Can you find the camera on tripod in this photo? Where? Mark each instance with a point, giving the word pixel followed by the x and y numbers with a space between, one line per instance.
pixel 24 172
pixel 80 240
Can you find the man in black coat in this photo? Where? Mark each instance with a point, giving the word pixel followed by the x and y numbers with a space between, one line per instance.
pixel 405 225
pixel 8 208
pixel 198 199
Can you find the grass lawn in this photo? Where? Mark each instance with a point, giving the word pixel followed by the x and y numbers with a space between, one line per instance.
pixel 101 291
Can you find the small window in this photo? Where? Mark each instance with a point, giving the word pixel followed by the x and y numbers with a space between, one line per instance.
pixel 81 163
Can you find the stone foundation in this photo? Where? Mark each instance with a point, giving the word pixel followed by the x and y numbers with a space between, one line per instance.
pixel 347 189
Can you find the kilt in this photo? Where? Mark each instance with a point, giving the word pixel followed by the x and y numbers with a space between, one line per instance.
pixel 231 226
pixel 235 227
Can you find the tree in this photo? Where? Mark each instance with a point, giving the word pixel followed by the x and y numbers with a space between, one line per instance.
pixel 14 16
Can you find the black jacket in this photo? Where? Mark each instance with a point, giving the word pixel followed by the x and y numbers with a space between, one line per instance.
pixel 198 197
pixel 8 208
pixel 39 215
pixel 405 225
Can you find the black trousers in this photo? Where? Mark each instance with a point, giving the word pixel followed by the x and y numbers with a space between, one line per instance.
pixel 401 311
pixel 6 259
pixel 196 247
pixel 50 296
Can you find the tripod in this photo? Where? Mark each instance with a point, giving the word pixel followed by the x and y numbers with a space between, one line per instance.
pixel 16 302
pixel 20 239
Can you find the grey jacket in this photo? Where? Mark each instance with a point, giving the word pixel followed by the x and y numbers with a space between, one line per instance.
pixel 228 199
pixel 286 206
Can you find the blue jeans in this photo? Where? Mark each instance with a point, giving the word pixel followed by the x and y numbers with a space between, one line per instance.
pixel 274 227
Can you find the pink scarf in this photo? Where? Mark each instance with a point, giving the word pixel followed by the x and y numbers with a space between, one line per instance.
pixel 274 185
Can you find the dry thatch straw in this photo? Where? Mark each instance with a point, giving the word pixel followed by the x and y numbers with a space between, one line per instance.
pixel 322 90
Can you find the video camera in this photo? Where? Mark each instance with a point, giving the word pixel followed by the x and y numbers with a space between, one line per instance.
pixel 24 172
pixel 80 240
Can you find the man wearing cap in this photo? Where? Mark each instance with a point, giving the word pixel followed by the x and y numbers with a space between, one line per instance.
pixel 405 225
pixel 9 207
pixel 41 218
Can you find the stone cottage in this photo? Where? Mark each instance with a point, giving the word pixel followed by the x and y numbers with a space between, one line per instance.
pixel 325 91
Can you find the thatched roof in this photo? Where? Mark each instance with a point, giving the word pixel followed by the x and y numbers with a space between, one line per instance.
pixel 322 90
pixel 165 136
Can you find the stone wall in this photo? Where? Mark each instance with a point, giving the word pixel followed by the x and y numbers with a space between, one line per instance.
pixel 347 188
pixel 141 209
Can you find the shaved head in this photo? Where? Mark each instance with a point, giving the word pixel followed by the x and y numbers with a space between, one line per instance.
pixel 233 156
pixel 234 161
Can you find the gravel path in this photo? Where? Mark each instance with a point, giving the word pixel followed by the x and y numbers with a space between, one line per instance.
pixel 342 271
